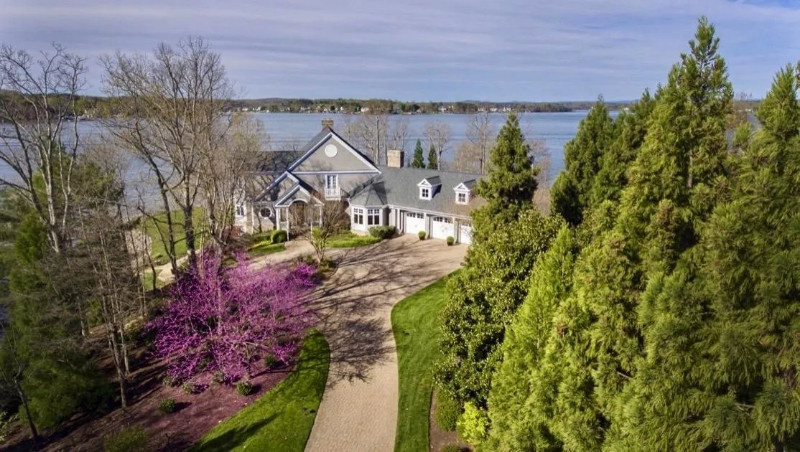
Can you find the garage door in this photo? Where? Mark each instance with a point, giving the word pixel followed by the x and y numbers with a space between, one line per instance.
pixel 415 222
pixel 442 227
pixel 465 234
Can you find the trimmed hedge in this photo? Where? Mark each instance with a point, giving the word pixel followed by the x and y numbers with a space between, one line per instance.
pixel 279 236
pixel 421 235
pixel 447 412
pixel 382 232
pixel 450 240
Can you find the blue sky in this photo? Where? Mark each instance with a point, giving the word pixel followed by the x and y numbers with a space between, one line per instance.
pixel 534 50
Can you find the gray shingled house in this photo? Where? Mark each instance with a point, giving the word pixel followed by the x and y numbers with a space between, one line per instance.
pixel 294 187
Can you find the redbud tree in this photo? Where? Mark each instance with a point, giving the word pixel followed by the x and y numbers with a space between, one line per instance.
pixel 224 321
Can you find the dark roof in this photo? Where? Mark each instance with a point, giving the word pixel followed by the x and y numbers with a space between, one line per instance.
pixel 278 161
pixel 398 187
pixel 433 180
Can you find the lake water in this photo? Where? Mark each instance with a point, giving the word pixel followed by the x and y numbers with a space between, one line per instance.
pixel 553 129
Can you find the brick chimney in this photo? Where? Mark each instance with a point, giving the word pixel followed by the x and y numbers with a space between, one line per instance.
pixel 327 122
pixel 394 158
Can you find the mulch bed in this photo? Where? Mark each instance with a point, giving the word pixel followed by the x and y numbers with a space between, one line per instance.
pixel 438 438
pixel 195 414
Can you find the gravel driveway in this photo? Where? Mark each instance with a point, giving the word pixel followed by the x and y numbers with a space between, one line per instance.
pixel 359 408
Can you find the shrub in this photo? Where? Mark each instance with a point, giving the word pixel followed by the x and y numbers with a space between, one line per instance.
pixel 271 361
pixel 169 381
pixel 473 424
pixel 450 240
pixel 279 236
pixel 447 412
pixel 421 235
pixel 127 439
pixel 382 232
pixel 262 236
pixel 167 406
pixel 189 387
pixel 244 388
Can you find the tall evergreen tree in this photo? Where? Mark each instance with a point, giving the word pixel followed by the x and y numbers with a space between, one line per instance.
pixel 433 158
pixel 678 173
pixel 510 184
pixel 722 328
pixel 419 159
pixel 582 156
pixel 516 424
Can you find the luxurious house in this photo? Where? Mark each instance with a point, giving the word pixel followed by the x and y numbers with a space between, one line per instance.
pixel 296 186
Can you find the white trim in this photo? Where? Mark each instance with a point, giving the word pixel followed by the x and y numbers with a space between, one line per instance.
pixel 293 191
pixel 422 193
pixel 463 187
pixel 466 194
pixel 424 183
pixel 279 179
pixel 341 141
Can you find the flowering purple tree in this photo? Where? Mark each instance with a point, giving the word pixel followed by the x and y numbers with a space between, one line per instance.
pixel 225 320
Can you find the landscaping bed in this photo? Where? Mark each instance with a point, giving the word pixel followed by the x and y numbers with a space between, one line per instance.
pixel 282 419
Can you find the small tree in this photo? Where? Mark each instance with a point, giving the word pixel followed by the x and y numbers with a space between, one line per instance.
pixel 433 159
pixel 419 159
pixel 224 320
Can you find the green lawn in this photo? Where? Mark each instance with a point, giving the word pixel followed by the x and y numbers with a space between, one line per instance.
pixel 416 333
pixel 281 420
pixel 350 240
pixel 265 247
pixel 159 223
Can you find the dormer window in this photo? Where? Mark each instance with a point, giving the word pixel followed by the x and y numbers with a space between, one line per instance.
pixel 463 192
pixel 428 186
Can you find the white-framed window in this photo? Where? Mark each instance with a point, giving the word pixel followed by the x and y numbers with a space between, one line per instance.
pixel 265 212
pixel 332 185
pixel 414 215
pixel 425 193
pixel 462 197
pixel 442 220
pixel 373 217
pixel 240 210
pixel 358 215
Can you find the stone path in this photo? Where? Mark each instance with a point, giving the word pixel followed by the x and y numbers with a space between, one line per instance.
pixel 359 408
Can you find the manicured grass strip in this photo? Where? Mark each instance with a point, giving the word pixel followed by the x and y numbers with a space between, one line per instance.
pixel 281 420
pixel 159 223
pixel 264 248
pixel 350 240
pixel 417 334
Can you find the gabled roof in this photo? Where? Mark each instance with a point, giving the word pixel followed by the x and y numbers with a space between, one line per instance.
pixel 399 187
pixel 320 138
pixel 430 181
pixel 294 193
pixel 465 186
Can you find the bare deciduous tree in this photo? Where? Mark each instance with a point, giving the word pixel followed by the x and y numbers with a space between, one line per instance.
pixel 39 131
pixel 172 107
pixel 438 135
pixel 481 135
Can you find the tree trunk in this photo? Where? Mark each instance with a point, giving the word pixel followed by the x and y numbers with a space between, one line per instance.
pixel 31 425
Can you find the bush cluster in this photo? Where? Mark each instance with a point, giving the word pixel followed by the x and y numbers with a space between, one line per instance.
pixel 279 236
pixel 167 406
pixel 447 412
pixel 450 240
pixel 382 232
pixel 421 235
pixel 244 388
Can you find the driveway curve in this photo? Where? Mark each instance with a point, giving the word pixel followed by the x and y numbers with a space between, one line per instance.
pixel 359 408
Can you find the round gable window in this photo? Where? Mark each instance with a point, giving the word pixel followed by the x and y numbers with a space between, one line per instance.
pixel 265 212
pixel 331 150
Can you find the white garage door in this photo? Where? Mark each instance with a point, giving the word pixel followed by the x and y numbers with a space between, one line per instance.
pixel 415 222
pixel 442 228
pixel 465 234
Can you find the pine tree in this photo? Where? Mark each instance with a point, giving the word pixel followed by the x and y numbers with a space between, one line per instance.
pixel 582 154
pixel 419 159
pixel 433 158
pixel 678 173
pixel 721 328
pixel 510 184
pixel 515 423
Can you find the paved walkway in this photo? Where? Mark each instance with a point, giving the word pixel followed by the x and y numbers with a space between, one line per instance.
pixel 359 408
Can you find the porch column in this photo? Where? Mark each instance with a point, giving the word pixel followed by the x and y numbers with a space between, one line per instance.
pixel 320 215
pixel 278 217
